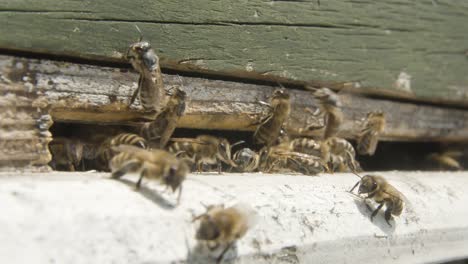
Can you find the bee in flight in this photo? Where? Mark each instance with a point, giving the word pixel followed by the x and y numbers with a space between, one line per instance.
pixel 383 193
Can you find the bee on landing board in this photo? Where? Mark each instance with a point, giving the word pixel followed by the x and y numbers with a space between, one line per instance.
pixel 222 227
pixel 152 164
pixel 269 129
pixel 330 107
pixel 150 88
pixel 368 138
pixel 204 149
pixel 105 152
pixel 379 190
pixel 340 155
pixel 159 131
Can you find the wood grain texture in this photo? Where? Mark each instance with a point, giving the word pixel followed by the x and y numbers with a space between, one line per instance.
pixel 415 48
pixel 24 129
pixel 91 94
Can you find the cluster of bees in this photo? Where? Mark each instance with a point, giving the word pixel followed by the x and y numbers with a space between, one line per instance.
pixel 153 153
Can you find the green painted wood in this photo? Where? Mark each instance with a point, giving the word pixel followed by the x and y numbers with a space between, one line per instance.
pixel 416 47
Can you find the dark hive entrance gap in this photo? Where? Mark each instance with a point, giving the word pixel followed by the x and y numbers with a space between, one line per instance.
pixel 389 155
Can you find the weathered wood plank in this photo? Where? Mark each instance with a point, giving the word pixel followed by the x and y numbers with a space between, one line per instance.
pixel 24 129
pixel 416 48
pixel 91 94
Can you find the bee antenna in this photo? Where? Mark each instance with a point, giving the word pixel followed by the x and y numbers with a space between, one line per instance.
pixel 355 173
pixel 238 143
pixel 141 34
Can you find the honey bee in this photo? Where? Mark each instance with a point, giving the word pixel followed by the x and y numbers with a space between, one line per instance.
pixel 105 152
pixel 66 153
pixel 330 107
pixel 447 159
pixel 150 83
pixel 337 153
pixel 270 126
pixel 204 149
pixel 340 154
pixel 279 158
pixel 378 189
pixel 152 164
pixel 246 159
pixel 220 226
pixel 368 138
pixel 163 126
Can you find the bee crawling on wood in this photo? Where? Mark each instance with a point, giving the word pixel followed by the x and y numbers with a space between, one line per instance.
pixel 204 149
pixel 269 128
pixel 105 152
pixel 246 159
pixel 155 164
pixel 159 131
pixel 368 139
pixel 150 83
pixel 222 227
pixel 330 107
pixel 447 159
pixel 379 190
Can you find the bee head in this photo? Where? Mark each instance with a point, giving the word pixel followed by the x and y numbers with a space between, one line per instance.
pixel 208 230
pixel 368 184
pixel 224 150
pixel 280 94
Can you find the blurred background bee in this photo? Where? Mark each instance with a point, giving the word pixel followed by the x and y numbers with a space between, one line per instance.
pixel 368 138
pixel 150 88
pixel 67 154
pixel 155 164
pixel 204 149
pixel 159 131
pixel 221 227
pixel 380 191
pixel 269 129
pixel 330 106
pixel 105 152
pixel 446 160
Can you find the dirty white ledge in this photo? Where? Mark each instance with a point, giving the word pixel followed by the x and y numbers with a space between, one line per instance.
pixel 86 218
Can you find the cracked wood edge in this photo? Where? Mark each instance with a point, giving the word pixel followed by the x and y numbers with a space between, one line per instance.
pixel 412 49
pixel 91 94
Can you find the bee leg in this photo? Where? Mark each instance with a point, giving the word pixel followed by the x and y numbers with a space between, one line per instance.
pixel 138 184
pixel 221 256
pixel 354 187
pixel 220 167
pixel 376 211
pixel 137 91
pixel 388 213
pixel 199 166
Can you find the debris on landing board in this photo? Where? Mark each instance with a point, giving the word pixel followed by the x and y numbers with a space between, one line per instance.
pixel 87 217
